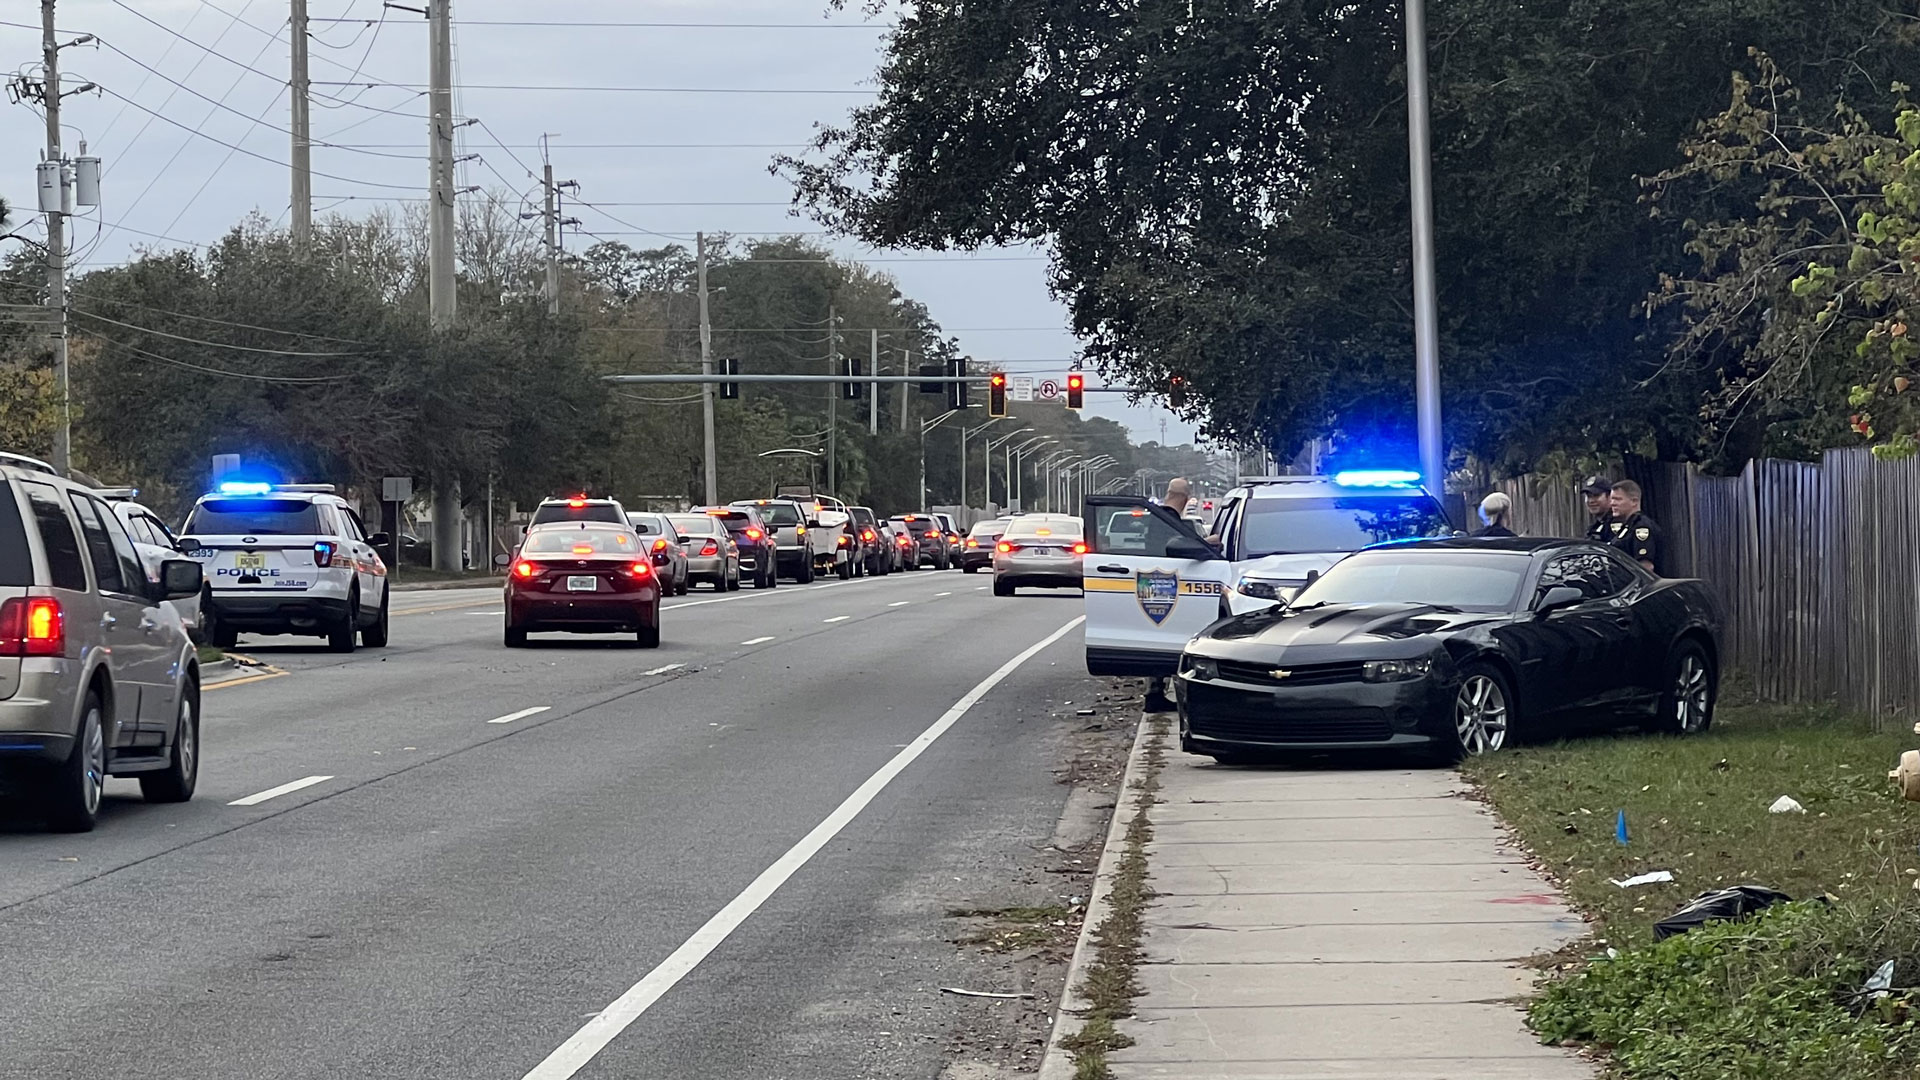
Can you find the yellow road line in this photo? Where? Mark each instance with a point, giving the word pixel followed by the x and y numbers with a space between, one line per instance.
pixel 270 673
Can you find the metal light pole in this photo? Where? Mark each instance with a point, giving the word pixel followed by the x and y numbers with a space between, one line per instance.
pixel 1016 486
pixel 987 467
pixel 926 426
pixel 1049 469
pixel 1426 316
pixel 965 434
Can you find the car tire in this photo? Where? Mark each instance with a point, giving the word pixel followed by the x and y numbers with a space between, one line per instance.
pixel 844 571
pixel 1481 718
pixel 375 636
pixel 1686 708
pixel 78 784
pixel 176 782
pixel 1002 587
pixel 344 634
pixel 223 636
pixel 762 579
pixel 969 568
pixel 514 638
pixel 805 576
pixel 649 636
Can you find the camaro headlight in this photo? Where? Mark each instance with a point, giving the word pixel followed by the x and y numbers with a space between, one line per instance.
pixel 1199 667
pixel 1395 670
pixel 1266 589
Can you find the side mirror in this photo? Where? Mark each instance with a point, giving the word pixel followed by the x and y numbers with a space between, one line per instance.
pixel 179 579
pixel 379 540
pixel 1560 596
pixel 502 559
pixel 1185 547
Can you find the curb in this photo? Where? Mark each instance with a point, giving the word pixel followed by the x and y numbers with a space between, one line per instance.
pixel 439 586
pixel 1058 1064
pixel 218 672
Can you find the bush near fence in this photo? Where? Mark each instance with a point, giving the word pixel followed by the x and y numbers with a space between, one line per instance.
pixel 1815 565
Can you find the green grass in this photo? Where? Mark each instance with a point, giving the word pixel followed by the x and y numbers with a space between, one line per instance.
pixel 211 655
pixel 1770 998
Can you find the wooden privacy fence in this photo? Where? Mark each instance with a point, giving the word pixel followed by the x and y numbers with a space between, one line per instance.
pixel 1815 565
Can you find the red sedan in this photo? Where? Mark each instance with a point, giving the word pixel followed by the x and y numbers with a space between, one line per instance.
pixel 583 577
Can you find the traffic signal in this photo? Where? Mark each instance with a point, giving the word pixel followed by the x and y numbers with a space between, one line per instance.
pixel 931 371
pixel 997 394
pixel 1076 389
pixel 1176 392
pixel 730 390
pixel 957 391
pixel 853 391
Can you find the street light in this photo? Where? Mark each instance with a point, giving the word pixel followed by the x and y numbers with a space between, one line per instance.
pixel 1051 468
pixel 926 426
pixel 1016 492
pixel 965 434
pixel 987 467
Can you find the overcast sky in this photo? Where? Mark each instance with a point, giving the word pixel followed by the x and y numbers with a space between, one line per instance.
pixel 651 158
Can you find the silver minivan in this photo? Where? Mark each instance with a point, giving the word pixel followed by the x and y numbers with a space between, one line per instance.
pixel 97 675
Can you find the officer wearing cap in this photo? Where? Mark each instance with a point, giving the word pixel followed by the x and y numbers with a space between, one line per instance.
pixel 1633 531
pixel 1596 489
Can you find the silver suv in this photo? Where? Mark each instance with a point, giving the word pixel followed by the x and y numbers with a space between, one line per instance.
pixel 97 675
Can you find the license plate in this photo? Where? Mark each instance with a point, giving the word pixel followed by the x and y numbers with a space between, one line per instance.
pixel 251 560
pixel 589 583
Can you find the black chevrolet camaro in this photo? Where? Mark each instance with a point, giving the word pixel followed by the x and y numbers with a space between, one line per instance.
pixel 1454 647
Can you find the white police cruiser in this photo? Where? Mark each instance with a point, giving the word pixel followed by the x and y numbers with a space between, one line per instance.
pixel 288 559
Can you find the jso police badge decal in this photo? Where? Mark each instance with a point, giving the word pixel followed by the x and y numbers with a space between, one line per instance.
pixel 1157 592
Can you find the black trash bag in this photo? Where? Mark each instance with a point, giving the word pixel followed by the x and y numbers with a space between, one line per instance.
pixel 1735 902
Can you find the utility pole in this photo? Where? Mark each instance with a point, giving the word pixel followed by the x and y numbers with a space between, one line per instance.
pixel 906 368
pixel 873 388
pixel 56 243
pixel 1426 315
pixel 706 368
pixel 447 547
pixel 833 401
pixel 301 86
pixel 553 243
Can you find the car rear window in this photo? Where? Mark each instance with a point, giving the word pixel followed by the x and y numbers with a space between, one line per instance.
pixel 16 558
pixel 781 514
pixel 571 542
pixel 648 524
pixel 65 564
pixel 919 525
pixel 547 513
pixel 1066 528
pixel 254 517
pixel 988 528
pixel 696 524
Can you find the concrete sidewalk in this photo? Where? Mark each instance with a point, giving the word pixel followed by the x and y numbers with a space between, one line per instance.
pixel 1350 923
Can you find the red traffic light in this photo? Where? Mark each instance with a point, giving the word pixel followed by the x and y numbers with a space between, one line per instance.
pixel 1076 389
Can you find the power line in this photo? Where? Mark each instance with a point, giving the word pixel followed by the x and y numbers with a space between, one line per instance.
pixel 209 344
pixel 156 357
pixel 272 34
pixel 214 321
pixel 250 153
pixel 657 25
pixel 529 88
pixel 623 146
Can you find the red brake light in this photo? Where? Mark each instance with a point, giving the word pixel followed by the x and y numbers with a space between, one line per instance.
pixel 640 569
pixel 903 541
pixel 711 549
pixel 753 534
pixel 576 503
pixel 660 544
pixel 972 543
pixel 583 549
pixel 1080 548
pixel 33 626
pixel 524 569
pixel 845 540
pixel 322 553
pixel 1005 547
pixel 867 534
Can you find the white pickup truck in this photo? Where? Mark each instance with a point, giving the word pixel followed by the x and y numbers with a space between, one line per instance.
pixel 807 533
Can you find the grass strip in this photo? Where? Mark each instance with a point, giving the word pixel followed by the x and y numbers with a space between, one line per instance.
pixel 1111 981
pixel 1776 997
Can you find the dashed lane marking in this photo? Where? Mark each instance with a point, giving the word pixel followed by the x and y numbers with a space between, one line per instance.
pixel 284 789
pixel 521 715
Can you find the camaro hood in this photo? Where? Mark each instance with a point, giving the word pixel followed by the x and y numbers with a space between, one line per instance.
pixel 1338 625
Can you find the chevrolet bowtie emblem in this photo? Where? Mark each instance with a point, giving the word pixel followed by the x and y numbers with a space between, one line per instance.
pixel 1280 673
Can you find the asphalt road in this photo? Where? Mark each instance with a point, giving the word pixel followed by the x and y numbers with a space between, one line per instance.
pixel 458 898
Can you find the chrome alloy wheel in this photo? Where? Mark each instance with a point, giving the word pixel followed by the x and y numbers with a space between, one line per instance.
pixel 1480 715
pixel 93 777
pixel 1692 694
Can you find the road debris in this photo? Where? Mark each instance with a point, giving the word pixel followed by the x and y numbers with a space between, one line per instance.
pixel 1785 804
pixel 985 994
pixel 1653 878
pixel 1735 902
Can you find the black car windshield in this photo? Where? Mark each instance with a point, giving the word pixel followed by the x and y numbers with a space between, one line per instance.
pixel 1294 526
pixel 254 517
pixel 1468 580
pixel 580 542
pixel 587 511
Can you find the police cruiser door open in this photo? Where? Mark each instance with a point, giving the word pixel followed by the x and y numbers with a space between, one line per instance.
pixel 1151 582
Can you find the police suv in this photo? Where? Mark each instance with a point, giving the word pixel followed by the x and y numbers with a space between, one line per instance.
pixel 288 559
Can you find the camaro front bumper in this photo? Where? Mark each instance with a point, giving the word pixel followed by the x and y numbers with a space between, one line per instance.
pixel 1255 713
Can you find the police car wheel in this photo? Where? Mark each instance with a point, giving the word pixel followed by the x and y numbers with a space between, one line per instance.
pixel 341 636
pixel 223 636
pixel 375 636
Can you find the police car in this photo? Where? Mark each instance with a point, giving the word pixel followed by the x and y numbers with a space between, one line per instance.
pixel 1152 581
pixel 288 559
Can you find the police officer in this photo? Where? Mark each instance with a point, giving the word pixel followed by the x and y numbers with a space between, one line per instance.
pixel 1596 489
pixel 1633 531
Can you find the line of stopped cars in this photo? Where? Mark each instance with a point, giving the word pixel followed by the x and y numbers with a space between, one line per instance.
pixel 1342 613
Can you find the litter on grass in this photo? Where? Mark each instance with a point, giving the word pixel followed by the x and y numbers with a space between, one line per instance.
pixel 1880 982
pixel 1653 878
pixel 1736 902
pixel 1786 805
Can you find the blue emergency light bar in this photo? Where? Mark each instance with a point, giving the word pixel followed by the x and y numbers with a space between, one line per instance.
pixel 1377 478
pixel 245 487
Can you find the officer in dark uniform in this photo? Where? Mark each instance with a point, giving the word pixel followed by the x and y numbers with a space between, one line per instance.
pixel 1596 489
pixel 1633 531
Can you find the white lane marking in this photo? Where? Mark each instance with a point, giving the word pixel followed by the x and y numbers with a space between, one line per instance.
pixel 521 715
pixel 498 612
pixel 284 789
pixel 979 588
pixel 697 603
pixel 606 1025
pixel 943 594
pixel 756 641
pixel 900 603
pixel 663 670
pixel 837 618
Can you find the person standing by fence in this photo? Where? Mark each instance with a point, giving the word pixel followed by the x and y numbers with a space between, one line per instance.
pixel 1596 489
pixel 1633 531
pixel 1496 510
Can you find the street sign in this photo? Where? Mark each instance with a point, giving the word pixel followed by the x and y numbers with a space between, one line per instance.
pixel 1022 387
pixel 396 489
pixel 1049 390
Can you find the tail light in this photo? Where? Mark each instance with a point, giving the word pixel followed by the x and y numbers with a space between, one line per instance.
pixel 577 504
pixel 867 535
pixel 754 534
pixel 711 549
pixel 524 569
pixel 583 549
pixel 1080 548
pixel 1004 547
pixel 660 544
pixel 640 570
pixel 322 553
pixel 972 543
pixel 33 626
pixel 904 541
pixel 845 540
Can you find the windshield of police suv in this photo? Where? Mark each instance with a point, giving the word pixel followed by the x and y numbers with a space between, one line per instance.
pixel 1297 526
pixel 254 517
